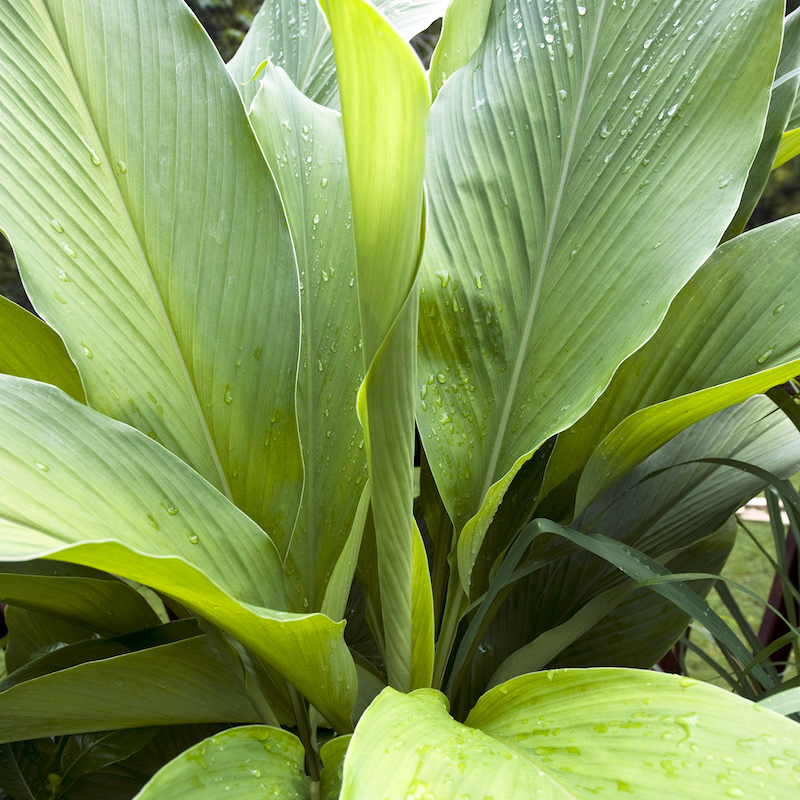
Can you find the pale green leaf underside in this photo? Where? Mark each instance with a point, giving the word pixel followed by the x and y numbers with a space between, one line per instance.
pixel 732 332
pixel 82 488
pixel 304 145
pixel 385 102
pixel 180 682
pixel 624 731
pixel 29 348
pixel 562 160
pixel 295 36
pixel 150 235
pixel 572 734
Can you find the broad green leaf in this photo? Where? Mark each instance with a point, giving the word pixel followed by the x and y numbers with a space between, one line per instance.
pixel 780 109
pixel 296 37
pixel 86 753
pixel 116 683
pixel 102 603
pixel 31 349
pixel 463 28
pixel 150 235
pixel 732 332
pixel 21 771
pixel 241 764
pixel 642 733
pixel 304 145
pixel 572 734
pixel 82 488
pixel 788 148
pixel 385 103
pixel 551 253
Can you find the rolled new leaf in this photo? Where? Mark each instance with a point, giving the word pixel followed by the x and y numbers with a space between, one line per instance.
pixel 385 104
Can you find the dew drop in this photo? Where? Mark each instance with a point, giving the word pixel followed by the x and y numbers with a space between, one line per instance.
pixel 86 351
pixel 765 355
pixel 194 539
pixel 42 467
pixel 777 310
pixel 581 10
pixel 316 219
pixel 441 377
pixel 68 250
pixel 228 394
pixel 562 94
pixel 323 183
pixel 320 365
pixel 62 276
pixel 444 278
pixel 122 166
pixel 56 226
pixel 479 280
pixel 604 132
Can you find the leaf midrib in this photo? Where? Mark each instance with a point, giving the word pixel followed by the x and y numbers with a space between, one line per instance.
pixel 521 352
pixel 170 330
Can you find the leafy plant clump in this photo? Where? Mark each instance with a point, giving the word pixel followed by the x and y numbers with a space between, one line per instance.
pixel 224 573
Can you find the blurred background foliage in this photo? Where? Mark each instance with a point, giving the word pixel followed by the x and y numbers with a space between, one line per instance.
pixel 227 21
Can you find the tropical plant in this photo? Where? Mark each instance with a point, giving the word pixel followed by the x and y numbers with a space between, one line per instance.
pixel 249 289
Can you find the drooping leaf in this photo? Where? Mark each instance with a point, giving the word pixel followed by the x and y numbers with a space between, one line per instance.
pixel 732 332
pixel 304 145
pixel 150 236
pixel 780 110
pixel 551 245
pixel 385 103
pixel 29 348
pixel 122 683
pixel 82 488
pixel 241 764
pixel 296 37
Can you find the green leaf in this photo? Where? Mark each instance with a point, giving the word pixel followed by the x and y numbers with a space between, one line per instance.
pixel 463 29
pixel 572 734
pixel 296 38
pixel 29 348
pixel 333 754
pixel 87 753
pixel 635 732
pixel 240 764
pixel 780 108
pixel 82 488
pixel 551 245
pixel 122 683
pixel 385 103
pixel 304 145
pixel 21 771
pixel 732 332
pixel 788 148
pixel 150 235
pixel 102 603
pixel 784 702
pixel 422 633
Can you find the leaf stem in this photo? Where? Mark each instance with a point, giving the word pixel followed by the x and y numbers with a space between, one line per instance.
pixel 454 608
pixel 304 731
